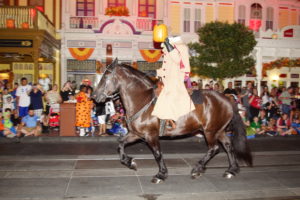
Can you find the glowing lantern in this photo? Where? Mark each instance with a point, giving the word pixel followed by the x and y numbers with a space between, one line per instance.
pixel 10 23
pixel 25 25
pixel 160 33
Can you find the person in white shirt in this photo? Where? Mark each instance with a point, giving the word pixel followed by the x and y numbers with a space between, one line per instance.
pixel 23 99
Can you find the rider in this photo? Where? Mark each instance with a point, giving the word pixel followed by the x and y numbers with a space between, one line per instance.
pixel 174 100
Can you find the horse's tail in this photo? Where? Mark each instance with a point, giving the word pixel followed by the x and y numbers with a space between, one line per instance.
pixel 240 144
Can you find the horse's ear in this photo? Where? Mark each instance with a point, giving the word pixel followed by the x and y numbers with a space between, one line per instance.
pixel 113 64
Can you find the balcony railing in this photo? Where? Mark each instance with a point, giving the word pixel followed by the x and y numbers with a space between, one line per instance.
pixel 25 17
pixel 88 22
pixel 83 22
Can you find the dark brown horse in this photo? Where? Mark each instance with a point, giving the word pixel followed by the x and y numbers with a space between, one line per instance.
pixel 213 118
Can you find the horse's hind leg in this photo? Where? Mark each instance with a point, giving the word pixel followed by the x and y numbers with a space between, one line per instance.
pixel 124 158
pixel 233 168
pixel 198 170
pixel 154 145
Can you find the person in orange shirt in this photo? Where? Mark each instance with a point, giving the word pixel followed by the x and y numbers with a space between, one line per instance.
pixel 83 110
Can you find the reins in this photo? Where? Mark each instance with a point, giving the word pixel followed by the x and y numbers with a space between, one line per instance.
pixel 137 114
pixel 130 119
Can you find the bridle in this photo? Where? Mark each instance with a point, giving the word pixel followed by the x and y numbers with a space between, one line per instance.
pixel 113 76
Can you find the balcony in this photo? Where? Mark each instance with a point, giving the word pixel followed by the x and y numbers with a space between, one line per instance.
pixel 88 22
pixel 26 17
pixel 83 22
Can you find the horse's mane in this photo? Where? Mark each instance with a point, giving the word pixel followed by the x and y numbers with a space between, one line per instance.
pixel 138 76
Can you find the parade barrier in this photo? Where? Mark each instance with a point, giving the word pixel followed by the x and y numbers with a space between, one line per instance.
pixel 67 119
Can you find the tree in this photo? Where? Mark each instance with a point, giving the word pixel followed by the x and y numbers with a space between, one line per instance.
pixel 223 50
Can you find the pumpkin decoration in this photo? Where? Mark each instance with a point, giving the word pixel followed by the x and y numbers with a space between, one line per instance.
pixel 10 23
pixel 160 33
pixel 25 25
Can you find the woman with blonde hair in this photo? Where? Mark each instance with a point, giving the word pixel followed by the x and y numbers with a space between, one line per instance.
pixel 53 98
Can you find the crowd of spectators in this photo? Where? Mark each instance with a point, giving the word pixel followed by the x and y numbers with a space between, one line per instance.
pixel 275 111
pixel 32 110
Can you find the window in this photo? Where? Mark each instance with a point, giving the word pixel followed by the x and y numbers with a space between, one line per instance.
pixel 187 20
pixel 85 8
pixel 197 23
pixel 39 4
pixel 147 8
pixel 116 3
pixel 5 3
pixel 256 11
pixel 242 15
pixel 270 16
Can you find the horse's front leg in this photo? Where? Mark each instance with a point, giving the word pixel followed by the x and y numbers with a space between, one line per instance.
pixel 154 145
pixel 124 158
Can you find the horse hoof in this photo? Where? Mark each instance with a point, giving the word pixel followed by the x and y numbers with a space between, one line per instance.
pixel 196 175
pixel 228 175
pixel 156 180
pixel 133 165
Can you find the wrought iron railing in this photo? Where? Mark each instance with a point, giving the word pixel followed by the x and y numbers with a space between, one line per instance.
pixel 25 17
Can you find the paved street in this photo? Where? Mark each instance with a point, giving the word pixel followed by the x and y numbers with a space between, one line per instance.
pixel 67 169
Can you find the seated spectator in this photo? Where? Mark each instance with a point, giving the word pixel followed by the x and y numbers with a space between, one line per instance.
pixel 296 126
pixel 30 125
pixel 9 129
pixel 256 126
pixel 16 120
pixel 271 128
pixel 44 120
pixel 283 125
pixel 250 132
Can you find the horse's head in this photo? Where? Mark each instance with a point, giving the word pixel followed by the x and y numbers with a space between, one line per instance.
pixel 108 83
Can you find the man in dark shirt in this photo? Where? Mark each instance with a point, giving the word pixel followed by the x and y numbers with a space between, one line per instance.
pixel 229 91
pixel 36 99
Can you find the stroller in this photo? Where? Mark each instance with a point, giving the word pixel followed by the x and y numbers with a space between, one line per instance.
pixel 54 116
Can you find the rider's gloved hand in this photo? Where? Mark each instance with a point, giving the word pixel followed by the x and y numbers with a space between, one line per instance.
pixel 186 75
pixel 168 45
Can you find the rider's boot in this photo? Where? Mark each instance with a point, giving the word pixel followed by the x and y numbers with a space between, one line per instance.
pixel 171 123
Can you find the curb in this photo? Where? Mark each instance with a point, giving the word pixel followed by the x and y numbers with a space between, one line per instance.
pixel 78 139
pixel 91 139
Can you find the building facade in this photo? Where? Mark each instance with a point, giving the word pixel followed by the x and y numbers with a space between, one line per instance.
pixel 96 31
pixel 29 43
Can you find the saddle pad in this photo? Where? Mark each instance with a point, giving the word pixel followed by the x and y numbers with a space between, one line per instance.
pixel 197 97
